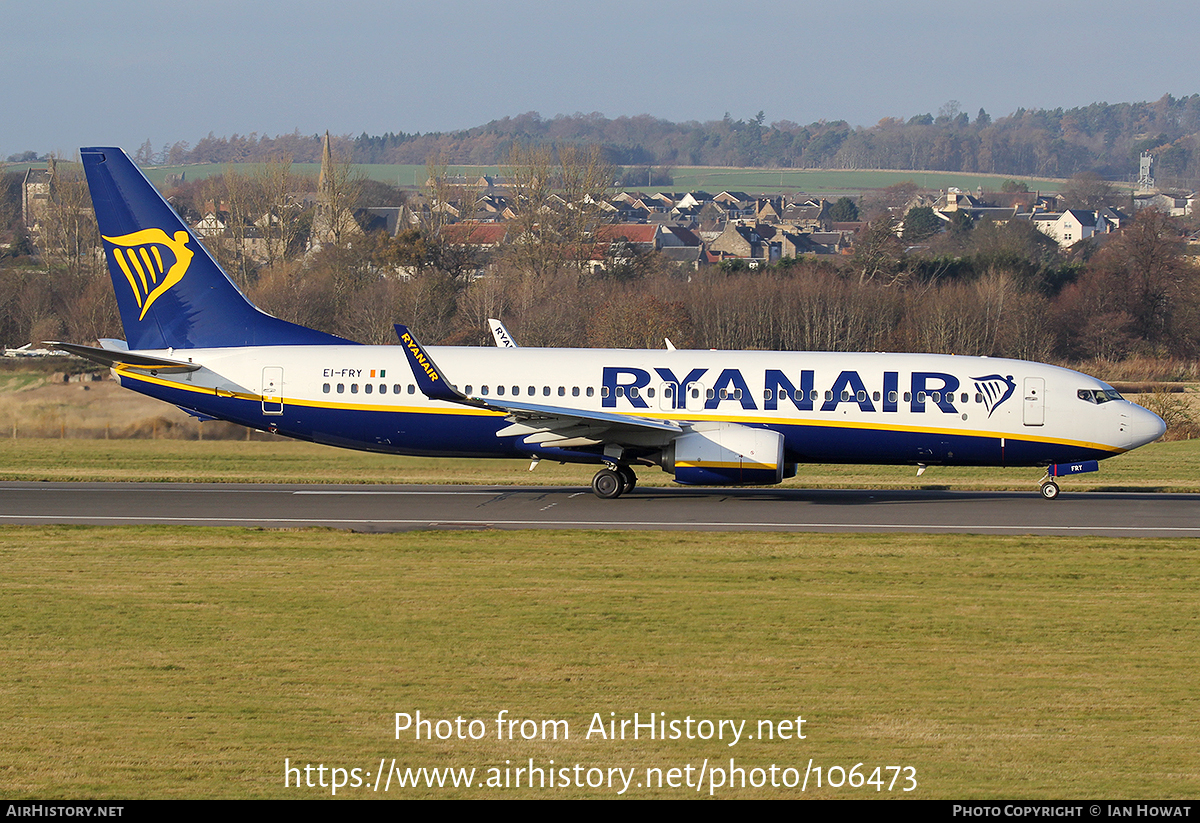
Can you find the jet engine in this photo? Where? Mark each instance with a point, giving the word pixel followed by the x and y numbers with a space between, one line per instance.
pixel 721 454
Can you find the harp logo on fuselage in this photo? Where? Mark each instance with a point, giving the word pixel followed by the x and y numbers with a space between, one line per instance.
pixel 995 389
pixel 152 262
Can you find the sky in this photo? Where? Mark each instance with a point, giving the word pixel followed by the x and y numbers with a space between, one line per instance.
pixel 118 73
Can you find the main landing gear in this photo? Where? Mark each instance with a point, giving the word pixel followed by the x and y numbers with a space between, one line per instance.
pixel 613 481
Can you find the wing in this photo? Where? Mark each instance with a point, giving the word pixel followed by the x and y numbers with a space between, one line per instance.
pixel 550 426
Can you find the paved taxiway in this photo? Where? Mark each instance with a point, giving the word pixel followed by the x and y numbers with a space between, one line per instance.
pixel 399 508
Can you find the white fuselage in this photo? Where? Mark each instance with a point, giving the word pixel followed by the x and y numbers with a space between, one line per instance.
pixel 830 407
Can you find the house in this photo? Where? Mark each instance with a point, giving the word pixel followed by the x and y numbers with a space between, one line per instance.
pixel 482 235
pixel 35 196
pixel 1070 226
pixel 1176 205
pixel 741 241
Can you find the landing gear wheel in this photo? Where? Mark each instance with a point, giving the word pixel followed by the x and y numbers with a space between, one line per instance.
pixel 608 484
pixel 628 478
pixel 1050 490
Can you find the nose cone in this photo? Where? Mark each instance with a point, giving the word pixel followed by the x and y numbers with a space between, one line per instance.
pixel 1144 426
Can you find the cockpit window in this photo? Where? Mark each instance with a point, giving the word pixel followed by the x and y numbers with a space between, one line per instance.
pixel 1098 395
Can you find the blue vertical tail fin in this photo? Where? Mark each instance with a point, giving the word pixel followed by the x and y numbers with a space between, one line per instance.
pixel 171 292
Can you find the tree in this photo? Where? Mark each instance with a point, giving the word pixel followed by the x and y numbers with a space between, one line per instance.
pixel 844 210
pixel 1087 190
pixel 70 241
pixel 279 219
pixel 877 251
pixel 1013 186
pixel 145 154
pixel 921 223
pixel 558 192
pixel 1159 289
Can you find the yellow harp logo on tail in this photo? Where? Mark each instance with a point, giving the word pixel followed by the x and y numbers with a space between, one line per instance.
pixel 152 262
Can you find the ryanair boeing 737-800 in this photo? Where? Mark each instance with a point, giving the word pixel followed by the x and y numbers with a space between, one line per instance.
pixel 706 417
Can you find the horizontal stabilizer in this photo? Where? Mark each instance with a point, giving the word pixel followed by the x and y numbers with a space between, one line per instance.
pixel 114 358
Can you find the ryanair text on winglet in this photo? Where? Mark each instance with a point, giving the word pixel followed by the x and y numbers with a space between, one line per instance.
pixel 419 356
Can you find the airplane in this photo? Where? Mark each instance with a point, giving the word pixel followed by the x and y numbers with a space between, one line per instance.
pixel 29 351
pixel 705 417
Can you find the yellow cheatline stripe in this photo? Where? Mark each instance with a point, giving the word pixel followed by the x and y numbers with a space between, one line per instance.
pixel 720 464
pixel 318 404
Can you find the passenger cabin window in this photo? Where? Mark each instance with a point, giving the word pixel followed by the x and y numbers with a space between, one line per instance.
pixel 325 388
pixel 367 388
pixel 591 391
pixel 354 388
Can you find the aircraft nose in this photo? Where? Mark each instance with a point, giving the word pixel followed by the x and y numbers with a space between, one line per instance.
pixel 1144 426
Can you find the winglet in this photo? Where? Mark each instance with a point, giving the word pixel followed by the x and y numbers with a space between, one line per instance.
pixel 429 377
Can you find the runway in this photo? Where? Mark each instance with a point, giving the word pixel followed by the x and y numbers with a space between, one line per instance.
pixel 403 508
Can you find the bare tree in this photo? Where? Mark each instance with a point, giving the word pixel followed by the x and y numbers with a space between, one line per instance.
pixel 70 240
pixel 877 252
pixel 279 217
pixel 1088 191
pixel 558 192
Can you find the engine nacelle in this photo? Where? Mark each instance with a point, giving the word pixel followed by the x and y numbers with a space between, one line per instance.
pixel 726 454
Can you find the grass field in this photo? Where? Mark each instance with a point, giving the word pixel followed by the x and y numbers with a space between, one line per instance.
pixel 175 662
